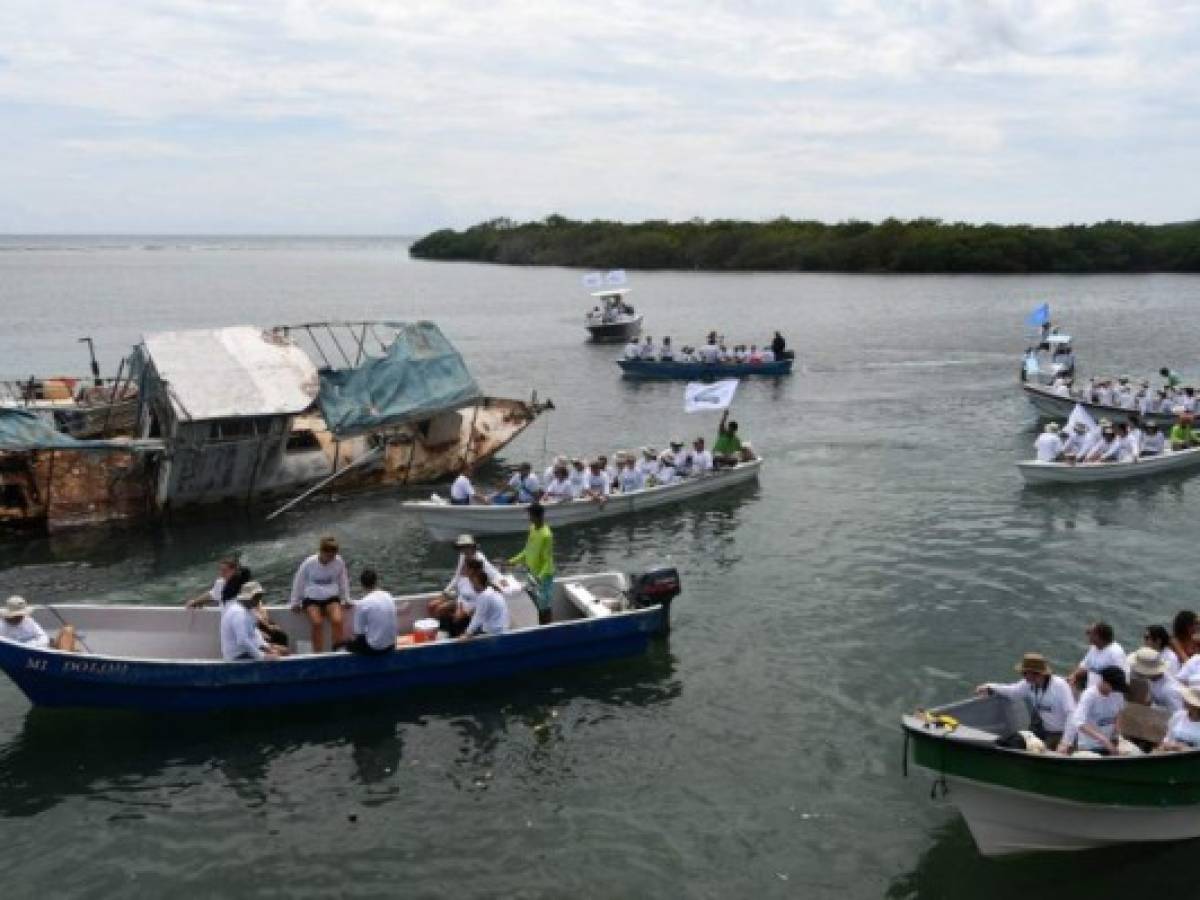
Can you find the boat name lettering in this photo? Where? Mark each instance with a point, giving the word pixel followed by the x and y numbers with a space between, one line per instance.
pixel 38 664
pixel 94 668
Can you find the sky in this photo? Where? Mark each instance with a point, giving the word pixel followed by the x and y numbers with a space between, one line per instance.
pixel 404 116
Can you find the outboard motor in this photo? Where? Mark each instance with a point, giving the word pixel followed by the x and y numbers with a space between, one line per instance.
pixel 654 587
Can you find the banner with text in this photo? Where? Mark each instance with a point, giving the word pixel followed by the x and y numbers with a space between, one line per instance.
pixel 700 397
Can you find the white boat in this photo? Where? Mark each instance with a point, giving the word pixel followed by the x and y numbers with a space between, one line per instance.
pixel 1038 472
pixel 1054 406
pixel 613 320
pixel 444 520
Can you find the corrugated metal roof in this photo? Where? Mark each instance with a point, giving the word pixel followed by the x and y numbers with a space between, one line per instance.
pixel 229 372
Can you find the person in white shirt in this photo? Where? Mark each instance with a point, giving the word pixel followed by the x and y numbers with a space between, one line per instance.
pixel 523 487
pixel 1072 448
pixel 462 492
pixel 648 464
pixel 1047 696
pixel 596 486
pixel 683 458
pixel 1103 394
pixel 768 355
pixel 1048 445
pixel 667 352
pixel 1061 387
pixel 1183 729
pixel 1103 652
pixel 702 459
pixel 375 628
pixel 17 624
pixel 241 638
pixel 1154 441
pixel 549 473
pixel 321 586
pixel 1159 639
pixel 629 479
pixel 1093 725
pixel 558 488
pixel 577 478
pixel 710 354
pixel 453 605
pixel 1106 448
pixel 1147 663
pixel 666 469
pixel 228 582
pixel 490 615
pixel 649 351
pixel 632 350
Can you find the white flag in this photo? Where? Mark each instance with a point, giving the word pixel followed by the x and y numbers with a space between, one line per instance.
pixel 593 280
pixel 1079 414
pixel 614 278
pixel 699 397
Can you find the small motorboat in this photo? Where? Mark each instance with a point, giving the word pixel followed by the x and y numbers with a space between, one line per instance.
pixel 1017 801
pixel 613 320
pixel 699 371
pixel 168 659
pixel 444 520
pixel 1038 472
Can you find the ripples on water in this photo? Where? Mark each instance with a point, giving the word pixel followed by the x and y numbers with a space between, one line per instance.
pixel 889 558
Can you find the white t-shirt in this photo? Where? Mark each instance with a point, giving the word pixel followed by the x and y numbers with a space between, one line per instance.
pixel 631 480
pixel 703 460
pixel 710 353
pixel 375 617
pixel 1048 447
pixel 461 582
pixel 1154 443
pixel 240 636
pixel 578 481
pixel 490 615
pixel 649 351
pixel 316 580
pixel 1054 704
pixel 1189 672
pixel 526 488
pixel 1098 711
pixel 1183 730
pixel 1096 659
pixel 1164 692
pixel 26 631
pixel 462 489
pixel 665 474
pixel 632 351
pixel 559 489
pixel 597 483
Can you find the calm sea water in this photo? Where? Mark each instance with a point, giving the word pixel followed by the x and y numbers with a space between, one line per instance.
pixel 889 558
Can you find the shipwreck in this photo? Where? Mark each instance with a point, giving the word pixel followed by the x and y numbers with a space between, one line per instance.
pixel 245 415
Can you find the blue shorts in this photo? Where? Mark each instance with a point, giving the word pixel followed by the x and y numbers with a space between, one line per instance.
pixel 545 592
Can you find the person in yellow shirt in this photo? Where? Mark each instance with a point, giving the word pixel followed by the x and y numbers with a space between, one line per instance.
pixel 538 558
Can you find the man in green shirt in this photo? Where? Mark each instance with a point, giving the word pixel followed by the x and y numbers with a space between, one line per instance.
pixel 538 558
pixel 1182 436
pixel 728 444
pixel 1171 379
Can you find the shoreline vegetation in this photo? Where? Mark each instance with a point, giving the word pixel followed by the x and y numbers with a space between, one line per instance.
pixel 787 245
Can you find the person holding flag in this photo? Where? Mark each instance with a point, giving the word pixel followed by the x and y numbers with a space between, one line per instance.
pixel 728 446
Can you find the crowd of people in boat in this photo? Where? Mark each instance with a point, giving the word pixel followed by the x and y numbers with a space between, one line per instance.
pixel 1113 703
pixel 599 478
pixel 714 351
pixel 1122 442
pixel 1167 398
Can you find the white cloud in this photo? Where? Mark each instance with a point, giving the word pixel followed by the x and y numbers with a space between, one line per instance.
pixel 374 115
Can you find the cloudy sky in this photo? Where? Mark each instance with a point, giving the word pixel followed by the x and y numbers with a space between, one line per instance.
pixel 400 116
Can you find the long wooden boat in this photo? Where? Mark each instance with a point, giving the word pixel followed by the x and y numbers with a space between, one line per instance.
pixel 444 520
pixel 1016 801
pixel 1037 472
pixel 698 371
pixel 1050 405
pixel 168 659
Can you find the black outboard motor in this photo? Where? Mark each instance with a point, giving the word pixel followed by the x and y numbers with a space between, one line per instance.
pixel 654 587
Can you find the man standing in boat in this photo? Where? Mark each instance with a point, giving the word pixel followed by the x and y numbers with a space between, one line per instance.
pixel 729 443
pixel 538 558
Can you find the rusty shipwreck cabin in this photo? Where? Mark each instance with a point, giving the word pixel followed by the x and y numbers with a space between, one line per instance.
pixel 236 415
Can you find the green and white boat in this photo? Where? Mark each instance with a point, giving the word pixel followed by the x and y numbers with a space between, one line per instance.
pixel 1016 801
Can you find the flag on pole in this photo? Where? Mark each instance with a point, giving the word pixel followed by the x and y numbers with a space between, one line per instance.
pixel 1079 414
pixel 593 280
pixel 701 397
pixel 1039 316
pixel 615 278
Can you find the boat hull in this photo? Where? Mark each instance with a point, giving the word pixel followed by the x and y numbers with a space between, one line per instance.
pixel 613 332
pixel 54 679
pixel 444 521
pixel 649 368
pixel 1090 473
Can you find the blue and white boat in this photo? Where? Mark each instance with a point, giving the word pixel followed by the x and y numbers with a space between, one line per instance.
pixel 699 371
pixel 168 659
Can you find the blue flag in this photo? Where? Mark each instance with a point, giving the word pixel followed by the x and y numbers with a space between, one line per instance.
pixel 1039 316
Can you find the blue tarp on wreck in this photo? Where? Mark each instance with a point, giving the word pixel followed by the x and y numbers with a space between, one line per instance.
pixel 26 429
pixel 420 375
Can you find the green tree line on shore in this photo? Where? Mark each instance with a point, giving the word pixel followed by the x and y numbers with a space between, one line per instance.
pixel 893 245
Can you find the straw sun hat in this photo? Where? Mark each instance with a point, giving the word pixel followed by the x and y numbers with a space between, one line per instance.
pixel 16 608
pixel 1033 662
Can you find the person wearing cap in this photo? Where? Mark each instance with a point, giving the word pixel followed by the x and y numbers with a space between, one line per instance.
pixel 577 478
pixel 629 476
pixel 241 639
pixel 1183 728
pixel 729 442
pixel 490 612
pixel 17 624
pixel 462 492
pixel 320 588
pixel 1103 652
pixel 558 488
pixel 444 606
pixel 596 486
pixel 374 626
pixel 1048 445
pixel 538 558
pixel 702 459
pixel 1093 725
pixel 1047 696
pixel 1146 663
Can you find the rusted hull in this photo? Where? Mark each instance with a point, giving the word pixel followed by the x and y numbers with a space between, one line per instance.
pixel 65 489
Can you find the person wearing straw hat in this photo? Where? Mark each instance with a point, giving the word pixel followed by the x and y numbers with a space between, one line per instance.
pixel 241 639
pixel 1047 696
pixel 1183 729
pixel 453 604
pixel 1147 664
pixel 17 624
pixel 1093 725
